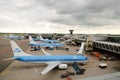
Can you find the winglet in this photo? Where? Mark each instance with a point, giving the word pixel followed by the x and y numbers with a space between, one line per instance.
pixel 81 49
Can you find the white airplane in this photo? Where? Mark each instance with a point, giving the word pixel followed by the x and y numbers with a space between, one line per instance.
pixel 52 60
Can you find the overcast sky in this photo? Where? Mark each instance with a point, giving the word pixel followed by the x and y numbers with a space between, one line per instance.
pixel 59 16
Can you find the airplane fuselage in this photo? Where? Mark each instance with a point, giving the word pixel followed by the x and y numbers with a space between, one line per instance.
pixel 46 44
pixel 52 58
pixel 50 41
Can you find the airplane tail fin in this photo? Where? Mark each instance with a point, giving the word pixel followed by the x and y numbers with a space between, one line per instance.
pixel 41 37
pixel 81 49
pixel 31 40
pixel 17 51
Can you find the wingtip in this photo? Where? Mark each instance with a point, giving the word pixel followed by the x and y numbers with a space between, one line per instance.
pixel 8 59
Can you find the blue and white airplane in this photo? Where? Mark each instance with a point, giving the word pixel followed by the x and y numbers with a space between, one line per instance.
pixel 48 40
pixel 12 36
pixel 52 60
pixel 43 44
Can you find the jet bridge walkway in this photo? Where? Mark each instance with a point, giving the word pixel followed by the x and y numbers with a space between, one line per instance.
pixel 109 46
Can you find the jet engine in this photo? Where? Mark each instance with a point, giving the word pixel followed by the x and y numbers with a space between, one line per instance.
pixel 63 66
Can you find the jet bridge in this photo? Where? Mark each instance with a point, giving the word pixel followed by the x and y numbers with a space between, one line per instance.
pixel 109 46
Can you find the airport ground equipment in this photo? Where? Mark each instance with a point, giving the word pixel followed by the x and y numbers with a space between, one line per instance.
pixel 77 69
pixel 103 65
pixel 63 66
pixel 67 73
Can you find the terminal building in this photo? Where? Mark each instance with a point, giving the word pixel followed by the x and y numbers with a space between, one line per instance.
pixel 110 43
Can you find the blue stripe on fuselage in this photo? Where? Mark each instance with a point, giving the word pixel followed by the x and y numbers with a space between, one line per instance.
pixel 47 58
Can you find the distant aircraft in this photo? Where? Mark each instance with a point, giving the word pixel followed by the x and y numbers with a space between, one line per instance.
pixel 44 44
pixel 12 36
pixel 52 60
pixel 48 40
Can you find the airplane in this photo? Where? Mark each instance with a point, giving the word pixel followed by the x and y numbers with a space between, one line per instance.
pixel 12 36
pixel 43 44
pixel 48 40
pixel 52 60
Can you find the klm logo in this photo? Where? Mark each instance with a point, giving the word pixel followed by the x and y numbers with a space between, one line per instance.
pixel 75 57
pixel 17 50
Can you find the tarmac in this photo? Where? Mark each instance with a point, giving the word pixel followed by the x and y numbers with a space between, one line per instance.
pixel 30 71
pixel 6 51
pixel 112 76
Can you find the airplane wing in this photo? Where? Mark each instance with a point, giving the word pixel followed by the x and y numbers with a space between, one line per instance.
pixel 49 67
pixel 8 59
pixel 45 52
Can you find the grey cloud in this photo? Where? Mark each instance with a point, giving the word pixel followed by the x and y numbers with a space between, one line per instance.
pixel 83 11
pixel 69 12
